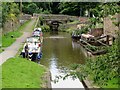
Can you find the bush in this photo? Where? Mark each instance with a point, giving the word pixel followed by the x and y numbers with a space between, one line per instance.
pixel 40 21
pixel 103 68
pixel 45 28
pixel 81 31
pixel 46 12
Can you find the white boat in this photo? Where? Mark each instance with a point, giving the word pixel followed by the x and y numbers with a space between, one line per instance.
pixel 34 51
pixel 38 33
pixel 38 29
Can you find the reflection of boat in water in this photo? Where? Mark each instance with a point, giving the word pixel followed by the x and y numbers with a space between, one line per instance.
pixel 32 49
pixel 75 36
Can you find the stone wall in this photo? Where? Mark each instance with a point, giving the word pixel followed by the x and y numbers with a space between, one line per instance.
pixel 11 25
pixel 109 27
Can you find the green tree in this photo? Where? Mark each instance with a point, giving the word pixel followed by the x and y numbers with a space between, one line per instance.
pixel 103 10
pixel 76 8
pixel 32 8
pixel 10 10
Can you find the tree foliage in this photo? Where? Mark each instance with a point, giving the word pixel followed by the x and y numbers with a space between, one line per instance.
pixel 32 8
pixel 70 8
pixel 104 67
pixel 9 11
pixel 101 69
pixel 76 8
pixel 35 7
pixel 103 10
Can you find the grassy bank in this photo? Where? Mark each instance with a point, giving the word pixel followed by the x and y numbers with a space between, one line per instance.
pixel 21 73
pixel 7 40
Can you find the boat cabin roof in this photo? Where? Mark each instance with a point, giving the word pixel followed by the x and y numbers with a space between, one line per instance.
pixel 38 29
pixel 32 39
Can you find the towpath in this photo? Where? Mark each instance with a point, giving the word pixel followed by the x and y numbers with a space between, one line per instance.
pixel 12 50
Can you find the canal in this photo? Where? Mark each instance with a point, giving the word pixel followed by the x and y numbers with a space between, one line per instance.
pixel 59 53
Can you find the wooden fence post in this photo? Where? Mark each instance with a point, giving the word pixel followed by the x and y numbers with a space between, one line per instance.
pixel 107 39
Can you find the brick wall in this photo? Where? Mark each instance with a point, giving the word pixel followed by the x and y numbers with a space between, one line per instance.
pixel 109 27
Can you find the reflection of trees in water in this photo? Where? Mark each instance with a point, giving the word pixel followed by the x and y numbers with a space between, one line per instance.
pixel 54 33
pixel 62 50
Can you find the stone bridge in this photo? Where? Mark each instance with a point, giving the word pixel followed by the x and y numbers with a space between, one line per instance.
pixel 59 18
pixel 54 20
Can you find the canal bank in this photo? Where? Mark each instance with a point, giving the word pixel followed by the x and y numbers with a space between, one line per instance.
pixel 18 72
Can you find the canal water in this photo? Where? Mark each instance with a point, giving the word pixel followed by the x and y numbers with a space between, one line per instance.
pixel 59 53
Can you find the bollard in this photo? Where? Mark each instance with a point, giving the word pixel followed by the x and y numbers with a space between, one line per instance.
pixel 12 36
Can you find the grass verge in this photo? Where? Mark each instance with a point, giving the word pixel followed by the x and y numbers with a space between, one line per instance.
pixel 7 40
pixel 113 83
pixel 21 73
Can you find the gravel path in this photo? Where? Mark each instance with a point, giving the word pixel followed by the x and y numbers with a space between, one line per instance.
pixel 12 50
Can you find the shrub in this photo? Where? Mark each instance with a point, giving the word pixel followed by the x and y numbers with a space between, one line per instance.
pixel 103 68
pixel 45 28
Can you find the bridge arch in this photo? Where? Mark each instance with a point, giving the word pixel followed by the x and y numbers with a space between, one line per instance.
pixel 54 24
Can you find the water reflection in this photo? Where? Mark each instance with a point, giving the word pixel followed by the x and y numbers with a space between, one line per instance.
pixel 75 45
pixel 54 33
pixel 62 48
pixel 59 51
pixel 53 65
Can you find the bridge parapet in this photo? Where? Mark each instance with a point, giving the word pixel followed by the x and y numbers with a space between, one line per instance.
pixel 60 17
